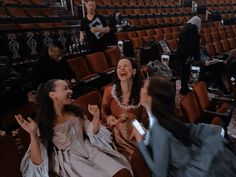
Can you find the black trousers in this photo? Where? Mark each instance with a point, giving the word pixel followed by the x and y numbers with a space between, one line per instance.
pixel 185 73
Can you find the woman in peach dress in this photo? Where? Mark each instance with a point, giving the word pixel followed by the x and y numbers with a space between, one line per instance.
pixel 120 105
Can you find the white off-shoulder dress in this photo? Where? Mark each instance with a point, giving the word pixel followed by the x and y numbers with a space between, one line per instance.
pixel 76 156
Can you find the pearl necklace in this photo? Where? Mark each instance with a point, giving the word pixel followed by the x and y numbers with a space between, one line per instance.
pixel 123 106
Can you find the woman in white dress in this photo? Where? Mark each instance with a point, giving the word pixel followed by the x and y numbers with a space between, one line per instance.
pixel 64 142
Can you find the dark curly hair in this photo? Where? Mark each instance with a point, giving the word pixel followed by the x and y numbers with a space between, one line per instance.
pixel 137 83
pixel 46 115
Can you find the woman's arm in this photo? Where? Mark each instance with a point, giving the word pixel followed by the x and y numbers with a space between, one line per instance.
pixel 31 127
pixel 35 151
pixel 158 162
pixel 106 109
pixel 106 100
pixel 94 110
pixel 82 36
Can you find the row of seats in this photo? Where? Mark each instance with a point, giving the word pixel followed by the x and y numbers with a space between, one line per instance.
pixel 31 15
pixel 35 3
pixel 90 66
pixel 161 21
pixel 140 11
pixel 216 36
pixel 34 26
pixel 222 8
pixel 227 16
pixel 197 107
pixel 216 33
pixel 171 35
pixel 214 2
pixel 133 3
pixel 26 12
pixel 141 37
pixel 218 47
pixel 212 29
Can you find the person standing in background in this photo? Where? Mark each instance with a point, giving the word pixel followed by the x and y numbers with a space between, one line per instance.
pixel 94 28
pixel 188 48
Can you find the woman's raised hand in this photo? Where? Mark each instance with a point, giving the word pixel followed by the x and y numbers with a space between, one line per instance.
pixel 28 125
pixel 94 110
pixel 112 121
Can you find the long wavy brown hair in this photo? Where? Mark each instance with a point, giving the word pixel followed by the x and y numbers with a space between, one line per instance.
pixel 46 115
pixel 162 92
pixel 137 83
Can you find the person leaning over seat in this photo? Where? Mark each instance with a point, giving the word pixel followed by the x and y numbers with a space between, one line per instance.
pixel 93 29
pixel 172 148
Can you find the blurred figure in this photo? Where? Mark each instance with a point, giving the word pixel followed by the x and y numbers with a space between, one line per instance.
pixel 188 48
pixel 94 28
pixel 12 92
pixel 65 142
pixel 213 72
pixel 115 26
pixel 51 66
pixel 231 63
pixel 115 21
pixel 172 148
pixel 120 105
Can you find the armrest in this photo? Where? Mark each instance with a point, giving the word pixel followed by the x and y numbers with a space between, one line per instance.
pixel 223 99
pixel 173 78
pixel 217 114
pixel 91 79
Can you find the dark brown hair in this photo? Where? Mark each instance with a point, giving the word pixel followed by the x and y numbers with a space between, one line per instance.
pixel 162 92
pixel 46 114
pixel 137 83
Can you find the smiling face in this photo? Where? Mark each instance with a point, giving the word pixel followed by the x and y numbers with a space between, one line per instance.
pixel 62 94
pixel 125 70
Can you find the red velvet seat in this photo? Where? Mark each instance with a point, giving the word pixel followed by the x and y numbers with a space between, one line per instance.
pixel 92 98
pixel 112 56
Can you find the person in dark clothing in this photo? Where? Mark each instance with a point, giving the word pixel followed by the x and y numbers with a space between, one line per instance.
pixel 115 24
pixel 51 66
pixel 231 63
pixel 115 21
pixel 188 48
pixel 93 28
pixel 213 72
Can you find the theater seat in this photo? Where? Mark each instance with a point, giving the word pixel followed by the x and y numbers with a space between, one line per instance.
pixel 191 112
pixel 112 56
pixel 80 68
pixel 97 63
pixel 219 107
pixel 10 157
pixel 92 98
